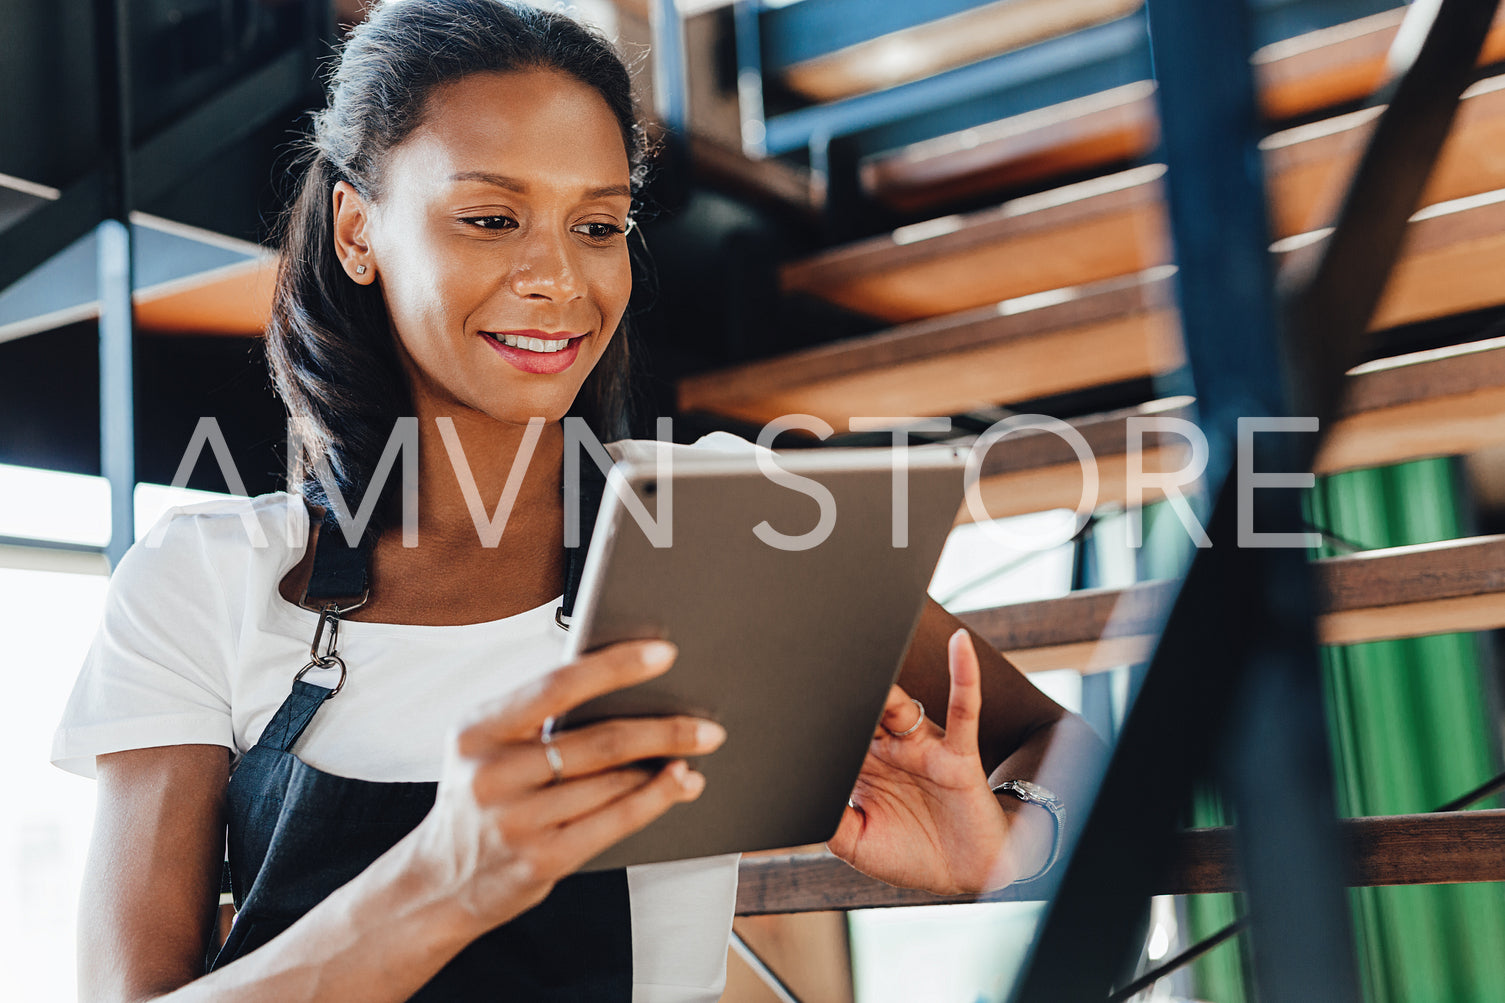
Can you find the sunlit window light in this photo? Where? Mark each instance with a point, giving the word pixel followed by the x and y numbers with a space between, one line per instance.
pixel 53 506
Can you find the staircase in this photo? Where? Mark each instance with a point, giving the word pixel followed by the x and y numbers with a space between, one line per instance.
pixel 1033 264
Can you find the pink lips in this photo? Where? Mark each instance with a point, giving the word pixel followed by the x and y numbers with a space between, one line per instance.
pixel 536 362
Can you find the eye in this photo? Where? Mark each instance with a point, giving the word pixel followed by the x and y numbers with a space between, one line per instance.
pixel 599 232
pixel 490 222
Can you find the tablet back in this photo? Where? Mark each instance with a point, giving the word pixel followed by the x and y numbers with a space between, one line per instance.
pixel 790 642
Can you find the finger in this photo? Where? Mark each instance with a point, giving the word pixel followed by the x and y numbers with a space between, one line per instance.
pixel 521 714
pixel 607 745
pixel 589 834
pixel 595 748
pixel 560 804
pixel 964 706
pixel 900 713
pixel 844 841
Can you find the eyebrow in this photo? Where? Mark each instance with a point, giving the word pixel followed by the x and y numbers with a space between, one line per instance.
pixel 514 185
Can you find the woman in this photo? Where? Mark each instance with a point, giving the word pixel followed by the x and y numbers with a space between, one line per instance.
pixel 457 253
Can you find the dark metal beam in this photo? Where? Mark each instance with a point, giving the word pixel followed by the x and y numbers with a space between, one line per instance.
pixel 158 164
pixel 49 229
pixel 161 162
pixel 1253 607
pixel 1176 724
pixel 117 419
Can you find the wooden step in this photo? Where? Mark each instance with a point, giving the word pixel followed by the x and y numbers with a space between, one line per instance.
pixel 1073 137
pixel 931 47
pixel 1084 233
pixel 1435 588
pixel 1118 329
pixel 1446 402
pixel 1308 166
pixel 1424 849
pixel 1341 64
pixel 1115 225
pixel 236 300
pixel 1035 470
pixel 1436 848
pixel 1115 330
pixel 1297 77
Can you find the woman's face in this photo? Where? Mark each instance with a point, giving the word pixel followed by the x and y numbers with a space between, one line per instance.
pixel 499 243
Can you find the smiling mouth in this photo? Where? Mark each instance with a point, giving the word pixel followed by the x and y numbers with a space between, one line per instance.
pixel 543 346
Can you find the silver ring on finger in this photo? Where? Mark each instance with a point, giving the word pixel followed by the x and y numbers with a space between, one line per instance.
pixel 554 756
pixel 912 728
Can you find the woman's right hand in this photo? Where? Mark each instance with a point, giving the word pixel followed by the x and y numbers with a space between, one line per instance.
pixel 502 831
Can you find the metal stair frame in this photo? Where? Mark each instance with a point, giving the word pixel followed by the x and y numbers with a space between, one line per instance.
pixel 1258 721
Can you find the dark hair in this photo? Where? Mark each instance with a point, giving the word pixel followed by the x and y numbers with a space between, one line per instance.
pixel 329 344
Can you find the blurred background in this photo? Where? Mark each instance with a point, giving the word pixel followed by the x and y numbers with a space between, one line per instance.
pixel 861 207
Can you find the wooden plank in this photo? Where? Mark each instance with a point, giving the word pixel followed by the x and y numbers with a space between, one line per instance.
pixel 1447 587
pixel 946 43
pixel 1339 64
pixel 1034 470
pixel 1450 262
pixel 1298 77
pixel 1084 233
pixel 1067 632
pixel 1115 225
pixel 236 300
pixel 1308 167
pixel 1073 137
pixel 1438 848
pixel 818 881
pixel 1428 849
pixel 1445 402
pixel 1116 330
pixel 1410 591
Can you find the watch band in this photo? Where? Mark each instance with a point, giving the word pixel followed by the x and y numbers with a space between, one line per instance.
pixel 1032 793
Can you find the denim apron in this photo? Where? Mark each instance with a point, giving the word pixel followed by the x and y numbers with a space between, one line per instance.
pixel 297 833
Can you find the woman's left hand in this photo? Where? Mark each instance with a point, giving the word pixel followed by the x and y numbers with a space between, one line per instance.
pixel 922 814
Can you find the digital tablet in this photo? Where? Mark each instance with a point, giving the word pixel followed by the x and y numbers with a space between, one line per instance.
pixel 792 586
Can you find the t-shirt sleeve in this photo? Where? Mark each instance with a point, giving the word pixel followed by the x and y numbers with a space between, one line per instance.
pixel 157 672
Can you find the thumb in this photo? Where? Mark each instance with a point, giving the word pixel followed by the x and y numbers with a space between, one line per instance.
pixel 843 842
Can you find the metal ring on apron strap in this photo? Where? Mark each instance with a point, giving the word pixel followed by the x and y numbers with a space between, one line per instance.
pixel 324 663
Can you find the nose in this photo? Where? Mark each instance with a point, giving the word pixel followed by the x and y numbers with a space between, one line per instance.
pixel 544 267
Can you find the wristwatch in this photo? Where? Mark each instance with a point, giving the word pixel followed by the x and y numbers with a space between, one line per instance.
pixel 1032 793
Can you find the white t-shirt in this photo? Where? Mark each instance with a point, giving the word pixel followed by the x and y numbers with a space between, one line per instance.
pixel 197 646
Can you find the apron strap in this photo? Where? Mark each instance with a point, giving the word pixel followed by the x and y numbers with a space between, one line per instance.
pixel 293 716
pixel 340 568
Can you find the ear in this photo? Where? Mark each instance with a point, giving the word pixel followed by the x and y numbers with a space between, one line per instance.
pixel 352 216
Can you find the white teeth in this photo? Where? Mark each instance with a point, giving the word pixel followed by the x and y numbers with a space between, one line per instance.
pixel 532 344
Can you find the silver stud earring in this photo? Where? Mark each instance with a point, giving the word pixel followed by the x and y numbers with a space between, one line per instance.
pixel 360 269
